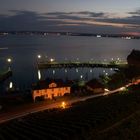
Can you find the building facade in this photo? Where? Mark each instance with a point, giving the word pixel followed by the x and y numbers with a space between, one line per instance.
pixel 51 91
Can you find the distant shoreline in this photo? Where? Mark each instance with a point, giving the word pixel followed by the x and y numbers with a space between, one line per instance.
pixel 45 33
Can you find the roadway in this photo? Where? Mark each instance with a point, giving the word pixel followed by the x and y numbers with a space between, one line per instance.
pixel 23 111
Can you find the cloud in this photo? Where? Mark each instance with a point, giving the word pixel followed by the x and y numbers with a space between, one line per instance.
pixel 82 21
pixel 85 13
pixel 137 12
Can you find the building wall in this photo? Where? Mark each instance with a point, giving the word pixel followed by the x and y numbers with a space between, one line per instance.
pixel 50 92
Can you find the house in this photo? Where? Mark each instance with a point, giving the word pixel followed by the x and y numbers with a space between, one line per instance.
pixel 95 86
pixel 133 58
pixel 50 89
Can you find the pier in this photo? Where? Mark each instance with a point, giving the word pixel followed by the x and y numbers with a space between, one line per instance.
pixel 48 65
pixel 5 75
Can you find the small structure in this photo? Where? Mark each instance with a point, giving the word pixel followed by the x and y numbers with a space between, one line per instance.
pixel 95 86
pixel 50 89
pixel 134 58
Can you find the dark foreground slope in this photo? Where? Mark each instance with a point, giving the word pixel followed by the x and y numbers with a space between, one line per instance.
pixel 84 120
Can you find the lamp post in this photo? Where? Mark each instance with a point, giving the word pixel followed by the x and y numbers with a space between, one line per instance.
pixel 38 71
pixel 9 60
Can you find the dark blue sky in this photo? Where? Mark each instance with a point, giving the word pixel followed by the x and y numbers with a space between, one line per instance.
pixel 102 16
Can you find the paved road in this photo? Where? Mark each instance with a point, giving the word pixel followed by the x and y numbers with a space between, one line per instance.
pixel 20 112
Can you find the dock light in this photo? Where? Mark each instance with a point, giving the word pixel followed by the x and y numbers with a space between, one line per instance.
pixel 39 56
pixel 53 72
pixel 9 60
pixel 51 60
pixel 106 73
pixel 63 105
pixel 66 71
pixel 90 70
pixel 81 76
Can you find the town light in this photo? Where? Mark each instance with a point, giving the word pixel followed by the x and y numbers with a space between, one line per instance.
pixel 63 105
pixel 81 76
pixel 106 74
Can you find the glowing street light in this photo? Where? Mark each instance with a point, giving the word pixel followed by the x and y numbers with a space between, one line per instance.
pixel 81 76
pixel 51 60
pixel 9 60
pixel 39 56
pixel 63 105
pixel 106 74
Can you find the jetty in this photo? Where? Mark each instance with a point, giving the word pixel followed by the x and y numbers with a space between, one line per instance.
pixel 49 65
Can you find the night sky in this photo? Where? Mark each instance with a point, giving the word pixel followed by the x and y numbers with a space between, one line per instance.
pixel 96 16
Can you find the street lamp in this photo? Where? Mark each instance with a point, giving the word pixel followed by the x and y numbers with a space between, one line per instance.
pixel 39 56
pixel 51 60
pixel 9 60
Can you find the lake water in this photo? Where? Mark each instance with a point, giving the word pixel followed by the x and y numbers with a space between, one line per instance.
pixel 24 50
